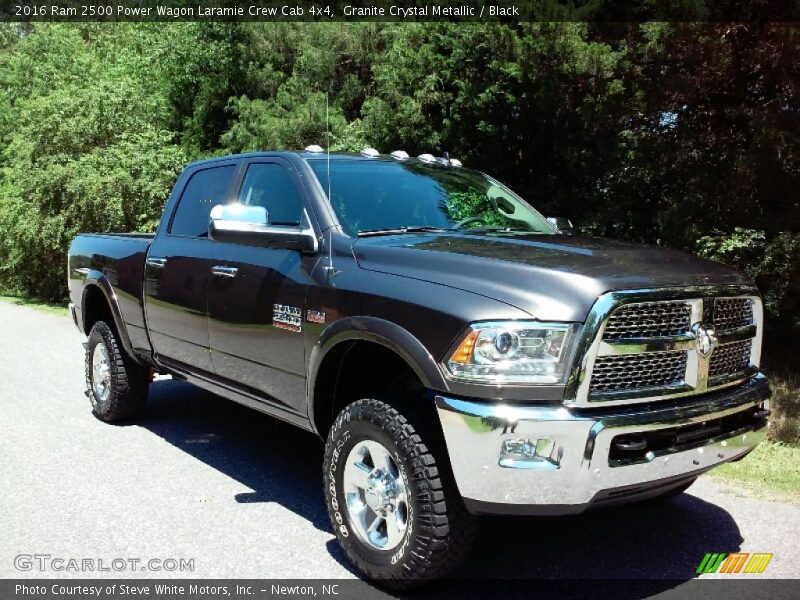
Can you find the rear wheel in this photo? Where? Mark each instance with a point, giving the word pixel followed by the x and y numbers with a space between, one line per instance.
pixel 391 499
pixel 116 385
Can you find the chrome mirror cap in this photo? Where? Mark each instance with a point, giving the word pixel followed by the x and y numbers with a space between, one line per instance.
pixel 241 213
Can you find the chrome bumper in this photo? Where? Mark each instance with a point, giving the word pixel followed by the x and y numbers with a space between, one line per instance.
pixel 511 459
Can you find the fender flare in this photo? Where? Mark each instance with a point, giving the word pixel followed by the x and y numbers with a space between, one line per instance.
pixel 379 331
pixel 98 280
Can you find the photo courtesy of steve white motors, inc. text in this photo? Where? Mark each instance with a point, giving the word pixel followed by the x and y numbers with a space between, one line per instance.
pixel 192 590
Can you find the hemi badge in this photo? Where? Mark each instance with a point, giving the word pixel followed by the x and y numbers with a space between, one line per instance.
pixel 315 316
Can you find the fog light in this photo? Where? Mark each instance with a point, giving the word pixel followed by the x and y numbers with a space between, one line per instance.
pixel 525 453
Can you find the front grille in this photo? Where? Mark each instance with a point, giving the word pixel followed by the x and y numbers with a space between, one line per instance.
pixel 730 313
pixel 649 319
pixel 636 371
pixel 730 359
pixel 646 349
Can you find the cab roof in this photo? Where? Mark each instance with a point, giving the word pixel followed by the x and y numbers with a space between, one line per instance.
pixel 308 156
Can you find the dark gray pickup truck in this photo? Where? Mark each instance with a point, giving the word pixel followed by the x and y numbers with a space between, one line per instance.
pixel 459 354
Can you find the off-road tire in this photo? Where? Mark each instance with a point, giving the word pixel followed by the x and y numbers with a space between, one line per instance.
pixel 129 381
pixel 440 532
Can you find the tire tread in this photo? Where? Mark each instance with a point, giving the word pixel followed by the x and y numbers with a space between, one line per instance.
pixel 446 530
pixel 129 381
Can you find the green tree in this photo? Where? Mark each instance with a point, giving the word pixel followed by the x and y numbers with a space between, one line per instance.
pixel 681 134
pixel 88 150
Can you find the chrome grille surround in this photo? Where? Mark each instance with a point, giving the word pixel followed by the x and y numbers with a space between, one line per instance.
pixel 738 305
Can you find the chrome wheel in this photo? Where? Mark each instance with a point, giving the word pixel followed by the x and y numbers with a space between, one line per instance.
pixel 101 372
pixel 376 495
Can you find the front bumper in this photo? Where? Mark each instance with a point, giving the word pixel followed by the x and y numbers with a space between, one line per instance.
pixel 511 459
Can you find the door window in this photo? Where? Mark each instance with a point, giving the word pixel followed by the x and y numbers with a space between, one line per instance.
pixel 205 189
pixel 271 185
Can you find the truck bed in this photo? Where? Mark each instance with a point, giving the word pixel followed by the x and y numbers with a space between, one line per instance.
pixel 118 260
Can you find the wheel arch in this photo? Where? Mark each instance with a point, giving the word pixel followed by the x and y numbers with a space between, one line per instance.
pixel 335 343
pixel 98 303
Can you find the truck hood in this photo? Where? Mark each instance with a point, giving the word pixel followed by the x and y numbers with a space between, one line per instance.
pixel 551 277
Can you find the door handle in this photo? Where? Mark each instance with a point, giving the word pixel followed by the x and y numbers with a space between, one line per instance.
pixel 156 262
pixel 221 271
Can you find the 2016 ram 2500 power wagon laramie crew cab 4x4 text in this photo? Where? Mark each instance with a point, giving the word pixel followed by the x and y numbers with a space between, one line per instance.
pixel 459 354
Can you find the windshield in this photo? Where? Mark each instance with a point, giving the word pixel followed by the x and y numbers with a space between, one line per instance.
pixel 372 196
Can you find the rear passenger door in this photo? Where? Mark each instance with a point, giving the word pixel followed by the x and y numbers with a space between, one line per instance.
pixel 177 270
pixel 257 295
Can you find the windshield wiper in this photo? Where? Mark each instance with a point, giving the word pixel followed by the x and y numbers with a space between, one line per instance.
pixel 398 230
pixel 494 228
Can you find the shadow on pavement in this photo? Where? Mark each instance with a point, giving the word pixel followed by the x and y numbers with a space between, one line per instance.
pixel 660 543
pixel 278 461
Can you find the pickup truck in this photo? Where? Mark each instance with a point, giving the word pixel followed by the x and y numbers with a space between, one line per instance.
pixel 458 353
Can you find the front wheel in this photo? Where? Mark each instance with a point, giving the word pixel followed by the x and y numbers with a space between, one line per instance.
pixel 391 499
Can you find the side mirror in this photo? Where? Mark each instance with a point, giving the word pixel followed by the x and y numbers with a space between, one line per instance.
pixel 242 224
pixel 562 225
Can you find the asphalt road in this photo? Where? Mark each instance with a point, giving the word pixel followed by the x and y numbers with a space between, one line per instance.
pixel 240 493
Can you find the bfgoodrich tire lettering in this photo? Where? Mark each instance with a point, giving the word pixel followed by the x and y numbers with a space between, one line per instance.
pixel 439 532
pixel 118 389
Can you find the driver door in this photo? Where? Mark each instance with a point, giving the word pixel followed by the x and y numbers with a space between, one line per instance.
pixel 256 299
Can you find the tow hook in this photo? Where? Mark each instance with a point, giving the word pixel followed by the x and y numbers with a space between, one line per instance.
pixel 628 445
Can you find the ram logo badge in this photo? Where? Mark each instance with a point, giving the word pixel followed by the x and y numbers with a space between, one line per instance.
pixel 705 338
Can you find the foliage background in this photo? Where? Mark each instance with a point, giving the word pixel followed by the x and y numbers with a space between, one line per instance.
pixel 680 134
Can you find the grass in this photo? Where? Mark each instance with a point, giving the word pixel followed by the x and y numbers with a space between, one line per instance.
pixel 773 468
pixel 48 307
pixel 785 405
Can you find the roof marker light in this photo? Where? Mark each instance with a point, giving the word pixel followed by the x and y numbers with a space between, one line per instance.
pixel 370 153
pixel 315 148
pixel 399 155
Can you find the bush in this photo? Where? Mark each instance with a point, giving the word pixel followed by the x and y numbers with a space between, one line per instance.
pixel 773 262
pixel 87 152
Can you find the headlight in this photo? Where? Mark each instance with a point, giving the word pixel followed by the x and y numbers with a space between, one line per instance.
pixel 514 352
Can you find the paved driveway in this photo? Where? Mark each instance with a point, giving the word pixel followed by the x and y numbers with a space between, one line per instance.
pixel 240 493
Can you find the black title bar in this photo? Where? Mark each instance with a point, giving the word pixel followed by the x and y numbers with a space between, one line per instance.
pixel 399 10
